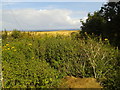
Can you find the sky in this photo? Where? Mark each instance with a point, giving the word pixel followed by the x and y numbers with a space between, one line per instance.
pixel 45 15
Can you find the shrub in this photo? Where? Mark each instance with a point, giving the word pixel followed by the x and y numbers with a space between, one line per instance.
pixel 101 62
pixel 4 34
pixel 16 34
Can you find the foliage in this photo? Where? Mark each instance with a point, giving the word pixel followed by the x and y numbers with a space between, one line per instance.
pixel 41 61
pixel 105 22
pixel 16 34
pixel 4 35
pixel 23 69
pixel 93 24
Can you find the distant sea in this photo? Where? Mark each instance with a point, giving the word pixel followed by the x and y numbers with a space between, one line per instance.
pixel 45 30
pixel 52 30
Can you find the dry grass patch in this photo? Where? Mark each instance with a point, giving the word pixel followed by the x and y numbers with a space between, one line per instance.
pixel 73 82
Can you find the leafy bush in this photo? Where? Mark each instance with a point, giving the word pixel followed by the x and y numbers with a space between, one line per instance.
pixel 102 61
pixel 4 34
pixel 16 34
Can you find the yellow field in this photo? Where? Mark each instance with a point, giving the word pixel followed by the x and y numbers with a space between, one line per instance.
pixel 53 33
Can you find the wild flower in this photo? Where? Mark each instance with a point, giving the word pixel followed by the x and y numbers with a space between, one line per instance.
pixel 32 57
pixel 7 44
pixel 8 49
pixel 13 47
pixel 29 44
pixel 14 50
pixel 106 39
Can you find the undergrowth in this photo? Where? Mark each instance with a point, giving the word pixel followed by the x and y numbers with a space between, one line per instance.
pixel 41 61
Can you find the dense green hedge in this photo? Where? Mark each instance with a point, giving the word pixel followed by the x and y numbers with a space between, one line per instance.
pixel 41 61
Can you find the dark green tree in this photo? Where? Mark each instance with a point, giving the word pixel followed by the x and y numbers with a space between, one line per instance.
pixel 93 24
pixel 105 22
pixel 111 14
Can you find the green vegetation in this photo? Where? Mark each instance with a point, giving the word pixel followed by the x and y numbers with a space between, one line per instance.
pixel 16 34
pixel 105 22
pixel 42 61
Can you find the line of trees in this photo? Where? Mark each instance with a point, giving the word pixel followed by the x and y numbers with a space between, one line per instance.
pixel 105 22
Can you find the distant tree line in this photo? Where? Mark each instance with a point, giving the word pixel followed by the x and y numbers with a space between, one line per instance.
pixel 105 22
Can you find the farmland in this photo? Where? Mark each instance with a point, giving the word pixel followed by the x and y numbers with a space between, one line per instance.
pixel 53 33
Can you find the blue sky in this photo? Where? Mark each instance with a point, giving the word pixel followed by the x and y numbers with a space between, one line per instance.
pixel 87 6
pixel 46 15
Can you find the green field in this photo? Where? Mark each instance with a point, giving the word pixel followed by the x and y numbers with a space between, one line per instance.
pixel 41 61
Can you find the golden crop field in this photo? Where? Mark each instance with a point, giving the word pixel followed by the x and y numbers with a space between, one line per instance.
pixel 54 33
pixel 63 32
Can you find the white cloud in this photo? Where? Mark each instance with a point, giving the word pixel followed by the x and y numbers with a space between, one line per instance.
pixel 31 19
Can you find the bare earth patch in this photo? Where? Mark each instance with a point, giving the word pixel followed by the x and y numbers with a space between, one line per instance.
pixel 73 82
